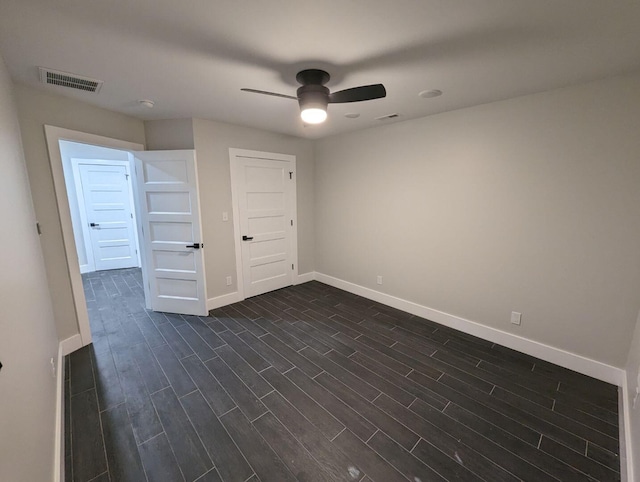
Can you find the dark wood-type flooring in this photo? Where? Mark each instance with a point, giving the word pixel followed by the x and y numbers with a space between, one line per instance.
pixel 311 383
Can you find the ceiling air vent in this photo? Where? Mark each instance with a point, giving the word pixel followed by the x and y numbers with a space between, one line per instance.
pixel 73 81
pixel 387 117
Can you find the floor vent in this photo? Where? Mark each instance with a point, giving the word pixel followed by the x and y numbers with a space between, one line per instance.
pixel 72 81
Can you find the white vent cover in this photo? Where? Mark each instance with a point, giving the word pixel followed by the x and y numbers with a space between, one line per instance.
pixel 73 81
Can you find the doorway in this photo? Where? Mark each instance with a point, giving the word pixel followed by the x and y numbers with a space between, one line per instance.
pixel 263 191
pixel 167 207
pixel 99 186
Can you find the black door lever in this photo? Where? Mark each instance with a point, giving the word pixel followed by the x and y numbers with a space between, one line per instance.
pixel 194 245
pixel 93 225
pixel 247 238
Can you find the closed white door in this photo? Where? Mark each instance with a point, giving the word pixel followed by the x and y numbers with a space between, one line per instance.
pixel 109 215
pixel 170 218
pixel 264 190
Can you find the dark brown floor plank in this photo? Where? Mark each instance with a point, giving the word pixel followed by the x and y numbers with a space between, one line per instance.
pixel 297 459
pixel 120 445
pixel 340 466
pixel 226 456
pixel 185 443
pixel 89 459
pixel 159 462
pixel 333 387
pixel 264 461
pixel 309 407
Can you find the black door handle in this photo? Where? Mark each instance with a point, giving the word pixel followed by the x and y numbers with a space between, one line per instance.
pixel 247 238
pixel 93 225
pixel 195 246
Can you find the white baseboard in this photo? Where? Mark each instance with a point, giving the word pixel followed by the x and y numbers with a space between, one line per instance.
pixel 58 464
pixel 84 268
pixel 305 277
pixel 626 447
pixel 578 363
pixel 71 344
pixel 223 300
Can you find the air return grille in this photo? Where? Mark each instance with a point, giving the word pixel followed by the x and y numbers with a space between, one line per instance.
pixel 73 81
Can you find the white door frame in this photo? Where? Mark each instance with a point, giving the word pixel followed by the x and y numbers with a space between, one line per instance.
pixel 234 154
pixel 53 135
pixel 82 207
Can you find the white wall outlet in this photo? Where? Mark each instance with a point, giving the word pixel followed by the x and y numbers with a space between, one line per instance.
pixel 379 280
pixel 53 367
pixel 225 216
pixel 516 318
pixel 229 281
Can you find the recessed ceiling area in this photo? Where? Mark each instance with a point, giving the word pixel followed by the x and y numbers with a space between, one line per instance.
pixel 192 58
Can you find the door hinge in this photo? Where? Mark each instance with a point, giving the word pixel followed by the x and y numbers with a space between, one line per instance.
pixel 291 265
pixel 38 228
pixel 126 176
pixel 131 214
pixel 292 222
pixel 290 174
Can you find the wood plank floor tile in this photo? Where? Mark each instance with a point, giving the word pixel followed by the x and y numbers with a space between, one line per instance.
pixel 312 383
pixel 231 464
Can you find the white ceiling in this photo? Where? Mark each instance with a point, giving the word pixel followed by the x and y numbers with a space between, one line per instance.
pixel 192 57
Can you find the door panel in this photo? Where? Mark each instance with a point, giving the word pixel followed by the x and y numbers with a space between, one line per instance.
pixel 106 194
pixel 170 213
pixel 264 189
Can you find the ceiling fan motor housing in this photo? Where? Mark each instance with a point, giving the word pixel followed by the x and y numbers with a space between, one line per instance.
pixel 313 96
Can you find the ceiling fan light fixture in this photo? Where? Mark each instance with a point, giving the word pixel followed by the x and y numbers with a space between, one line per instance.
pixel 313 114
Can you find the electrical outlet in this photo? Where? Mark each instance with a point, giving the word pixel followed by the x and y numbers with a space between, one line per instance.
pixel 516 317
pixel 229 281
pixel 53 367
pixel 379 280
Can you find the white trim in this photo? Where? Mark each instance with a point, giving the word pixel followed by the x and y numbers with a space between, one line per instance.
pixel 58 451
pixel 626 443
pixel 53 136
pixel 305 278
pixel 223 300
pixel 234 154
pixel 85 268
pixel 557 356
pixel 71 344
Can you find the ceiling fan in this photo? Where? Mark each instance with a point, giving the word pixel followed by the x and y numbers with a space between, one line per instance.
pixel 314 97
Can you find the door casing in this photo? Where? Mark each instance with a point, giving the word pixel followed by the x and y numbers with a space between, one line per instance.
pixel 53 135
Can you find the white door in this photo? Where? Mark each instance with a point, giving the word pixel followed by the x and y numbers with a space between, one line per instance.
pixel 108 214
pixel 264 216
pixel 172 239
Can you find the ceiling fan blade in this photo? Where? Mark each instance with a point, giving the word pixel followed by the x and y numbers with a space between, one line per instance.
pixel 358 94
pixel 269 93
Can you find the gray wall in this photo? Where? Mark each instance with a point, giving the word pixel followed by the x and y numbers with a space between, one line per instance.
pixel 28 338
pixel 528 205
pixel 35 110
pixel 212 141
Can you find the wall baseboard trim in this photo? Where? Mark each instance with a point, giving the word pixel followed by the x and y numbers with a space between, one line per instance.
pixel 624 415
pixel 71 344
pixel 305 277
pixel 223 300
pixel 572 361
pixel 58 462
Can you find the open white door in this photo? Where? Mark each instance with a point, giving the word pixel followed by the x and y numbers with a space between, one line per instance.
pixel 172 238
